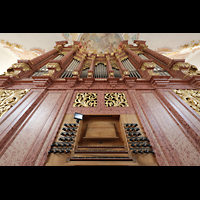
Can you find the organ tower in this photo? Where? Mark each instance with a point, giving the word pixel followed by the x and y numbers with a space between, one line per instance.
pixel 138 106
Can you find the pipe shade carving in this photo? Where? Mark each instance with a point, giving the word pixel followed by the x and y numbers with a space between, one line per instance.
pixel 85 100
pixel 191 97
pixel 8 98
pixel 115 100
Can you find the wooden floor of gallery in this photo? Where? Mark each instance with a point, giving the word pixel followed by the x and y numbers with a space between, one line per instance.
pixel 100 140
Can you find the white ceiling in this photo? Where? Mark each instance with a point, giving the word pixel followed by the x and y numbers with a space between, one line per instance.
pixel 16 46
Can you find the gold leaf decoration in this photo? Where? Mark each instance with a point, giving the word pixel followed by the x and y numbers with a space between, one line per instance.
pixel 8 98
pixel 115 100
pixel 191 97
pixel 85 100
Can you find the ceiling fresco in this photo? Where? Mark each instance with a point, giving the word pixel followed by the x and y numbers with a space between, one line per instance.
pixel 100 42
pixel 23 46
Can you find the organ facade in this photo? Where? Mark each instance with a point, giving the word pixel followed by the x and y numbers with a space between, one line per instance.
pixel 139 108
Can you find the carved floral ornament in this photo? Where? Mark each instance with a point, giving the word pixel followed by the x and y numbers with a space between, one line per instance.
pixel 15 69
pixel 191 97
pixel 8 98
pixel 90 100
pixel 115 100
pixel 85 100
pixel 186 68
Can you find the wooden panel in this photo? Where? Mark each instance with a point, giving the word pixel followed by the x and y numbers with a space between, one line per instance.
pixel 98 129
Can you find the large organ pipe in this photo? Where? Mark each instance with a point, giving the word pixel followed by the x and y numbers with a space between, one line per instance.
pixel 69 71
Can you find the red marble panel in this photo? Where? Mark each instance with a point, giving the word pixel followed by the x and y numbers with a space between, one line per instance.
pixel 15 116
pixel 173 134
pixel 53 131
pixel 188 118
pixel 32 134
pixel 160 156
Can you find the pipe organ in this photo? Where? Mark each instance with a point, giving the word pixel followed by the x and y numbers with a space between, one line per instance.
pixel 157 68
pixel 69 71
pixel 43 70
pixel 127 101
pixel 133 72
pixel 100 71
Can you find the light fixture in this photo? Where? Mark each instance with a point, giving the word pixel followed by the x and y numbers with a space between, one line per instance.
pixel 78 117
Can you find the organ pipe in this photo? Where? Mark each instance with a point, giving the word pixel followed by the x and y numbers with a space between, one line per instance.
pixel 69 71
pixel 100 71
pixel 133 72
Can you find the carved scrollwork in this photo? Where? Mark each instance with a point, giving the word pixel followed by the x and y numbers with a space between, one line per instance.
pixel 87 64
pixel 191 97
pixel 8 98
pixel 115 100
pixel 114 64
pixel 85 100
pixel 54 66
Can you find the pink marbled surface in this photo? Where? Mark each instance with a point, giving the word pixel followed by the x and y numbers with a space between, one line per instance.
pixel 180 143
pixel 20 147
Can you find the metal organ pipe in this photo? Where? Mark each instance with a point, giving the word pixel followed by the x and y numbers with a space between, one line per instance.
pixel 133 72
pixel 72 66
pixel 100 71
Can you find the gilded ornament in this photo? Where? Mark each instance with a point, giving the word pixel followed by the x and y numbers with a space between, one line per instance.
pixel 111 74
pixel 114 64
pixel 25 67
pixel 12 72
pixel 191 97
pixel 147 64
pixel 103 62
pixel 53 65
pixel 126 73
pixel 49 73
pixel 151 72
pixel 85 100
pixel 178 65
pixel 77 58
pixel 87 64
pixel 8 98
pixel 115 100
pixel 63 53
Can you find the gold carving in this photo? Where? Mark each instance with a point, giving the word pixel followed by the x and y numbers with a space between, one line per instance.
pixel 114 64
pixel 87 64
pixel 50 72
pixel 115 100
pixel 111 74
pixel 54 65
pixel 63 53
pixel 25 67
pixel 85 100
pixel 123 58
pixel 152 73
pixel 138 52
pixel 103 62
pixel 77 58
pixel 57 47
pixel 176 66
pixel 147 64
pixel 8 98
pixel 126 73
pixel 191 97
pixel 75 73
pixel 12 72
